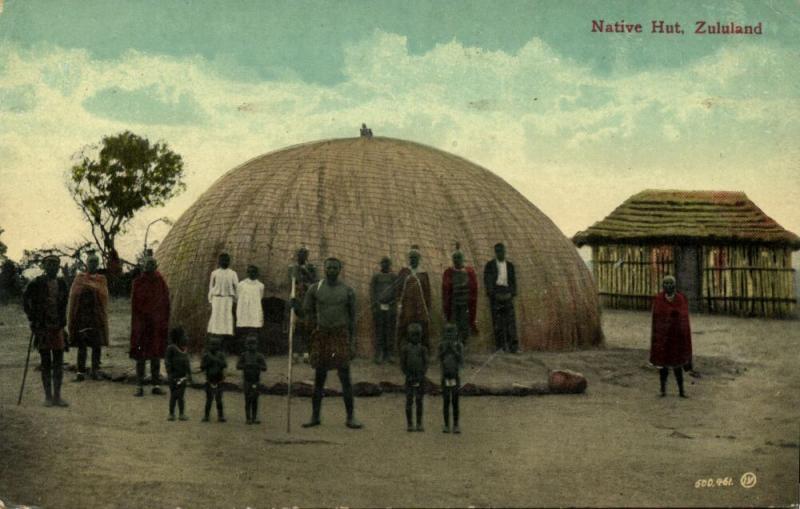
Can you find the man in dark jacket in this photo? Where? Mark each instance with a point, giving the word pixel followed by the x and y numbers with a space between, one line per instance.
pixel 500 281
pixel 45 304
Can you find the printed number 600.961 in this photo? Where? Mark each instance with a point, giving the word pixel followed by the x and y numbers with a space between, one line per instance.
pixel 711 482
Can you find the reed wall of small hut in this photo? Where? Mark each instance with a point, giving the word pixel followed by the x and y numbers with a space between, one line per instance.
pixel 745 280
pixel 749 280
pixel 628 276
pixel 726 254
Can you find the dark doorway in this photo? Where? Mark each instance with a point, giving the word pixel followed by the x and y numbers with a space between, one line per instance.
pixel 276 341
pixel 689 274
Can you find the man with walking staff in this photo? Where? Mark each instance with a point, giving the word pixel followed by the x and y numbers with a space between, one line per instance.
pixel 45 304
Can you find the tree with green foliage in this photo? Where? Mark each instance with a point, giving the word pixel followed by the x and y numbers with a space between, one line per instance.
pixel 3 248
pixel 11 280
pixel 122 176
pixel 10 275
pixel 69 254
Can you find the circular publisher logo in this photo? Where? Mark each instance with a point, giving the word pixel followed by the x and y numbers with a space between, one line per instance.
pixel 748 480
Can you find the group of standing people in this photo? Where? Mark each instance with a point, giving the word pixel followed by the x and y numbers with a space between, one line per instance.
pixel 60 317
pixel 401 310
pixel 400 299
pixel 401 306
pixel 325 332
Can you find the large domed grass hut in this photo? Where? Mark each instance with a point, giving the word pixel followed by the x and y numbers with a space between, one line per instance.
pixel 360 199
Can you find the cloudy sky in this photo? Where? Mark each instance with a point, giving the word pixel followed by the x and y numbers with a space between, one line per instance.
pixel 577 121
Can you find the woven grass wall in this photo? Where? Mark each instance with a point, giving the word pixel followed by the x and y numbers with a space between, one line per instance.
pixel 360 199
pixel 749 280
pixel 629 275
pixel 744 280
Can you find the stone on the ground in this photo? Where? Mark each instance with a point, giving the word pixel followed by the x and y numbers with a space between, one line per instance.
pixel 529 389
pixel 366 389
pixel 470 389
pixel 331 392
pixel 566 381
pixel 391 387
pixel 431 388
pixel 230 387
pixel 559 382
pixel 277 389
pixel 303 388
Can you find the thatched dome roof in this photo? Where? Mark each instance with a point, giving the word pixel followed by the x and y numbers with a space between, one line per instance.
pixel 360 199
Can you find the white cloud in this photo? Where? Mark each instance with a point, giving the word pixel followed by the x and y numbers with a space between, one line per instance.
pixel 573 142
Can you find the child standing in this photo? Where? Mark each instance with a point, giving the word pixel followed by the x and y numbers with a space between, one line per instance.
pixel 252 363
pixel 451 357
pixel 179 371
pixel 414 363
pixel 213 365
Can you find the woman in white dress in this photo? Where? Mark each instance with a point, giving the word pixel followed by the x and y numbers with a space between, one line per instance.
pixel 222 297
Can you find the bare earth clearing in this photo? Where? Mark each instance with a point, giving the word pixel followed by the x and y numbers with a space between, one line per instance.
pixel 616 445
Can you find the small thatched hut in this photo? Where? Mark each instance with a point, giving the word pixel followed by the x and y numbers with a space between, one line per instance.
pixel 363 198
pixel 726 254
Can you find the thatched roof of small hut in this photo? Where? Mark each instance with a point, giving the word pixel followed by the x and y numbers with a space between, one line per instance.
pixel 360 199
pixel 706 217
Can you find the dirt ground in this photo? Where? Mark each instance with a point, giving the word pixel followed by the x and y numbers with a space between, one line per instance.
pixel 616 445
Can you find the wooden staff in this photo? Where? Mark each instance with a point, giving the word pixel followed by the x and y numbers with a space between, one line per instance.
pixel 289 376
pixel 25 373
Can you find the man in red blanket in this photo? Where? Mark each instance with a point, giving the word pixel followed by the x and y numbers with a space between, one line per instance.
pixel 149 324
pixel 413 300
pixel 87 316
pixel 671 339
pixel 460 296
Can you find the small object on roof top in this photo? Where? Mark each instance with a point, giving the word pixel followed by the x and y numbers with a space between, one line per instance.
pixel 366 132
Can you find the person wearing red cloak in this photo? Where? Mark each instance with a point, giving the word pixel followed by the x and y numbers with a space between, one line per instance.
pixel 149 324
pixel 87 316
pixel 460 296
pixel 671 337
pixel 414 301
